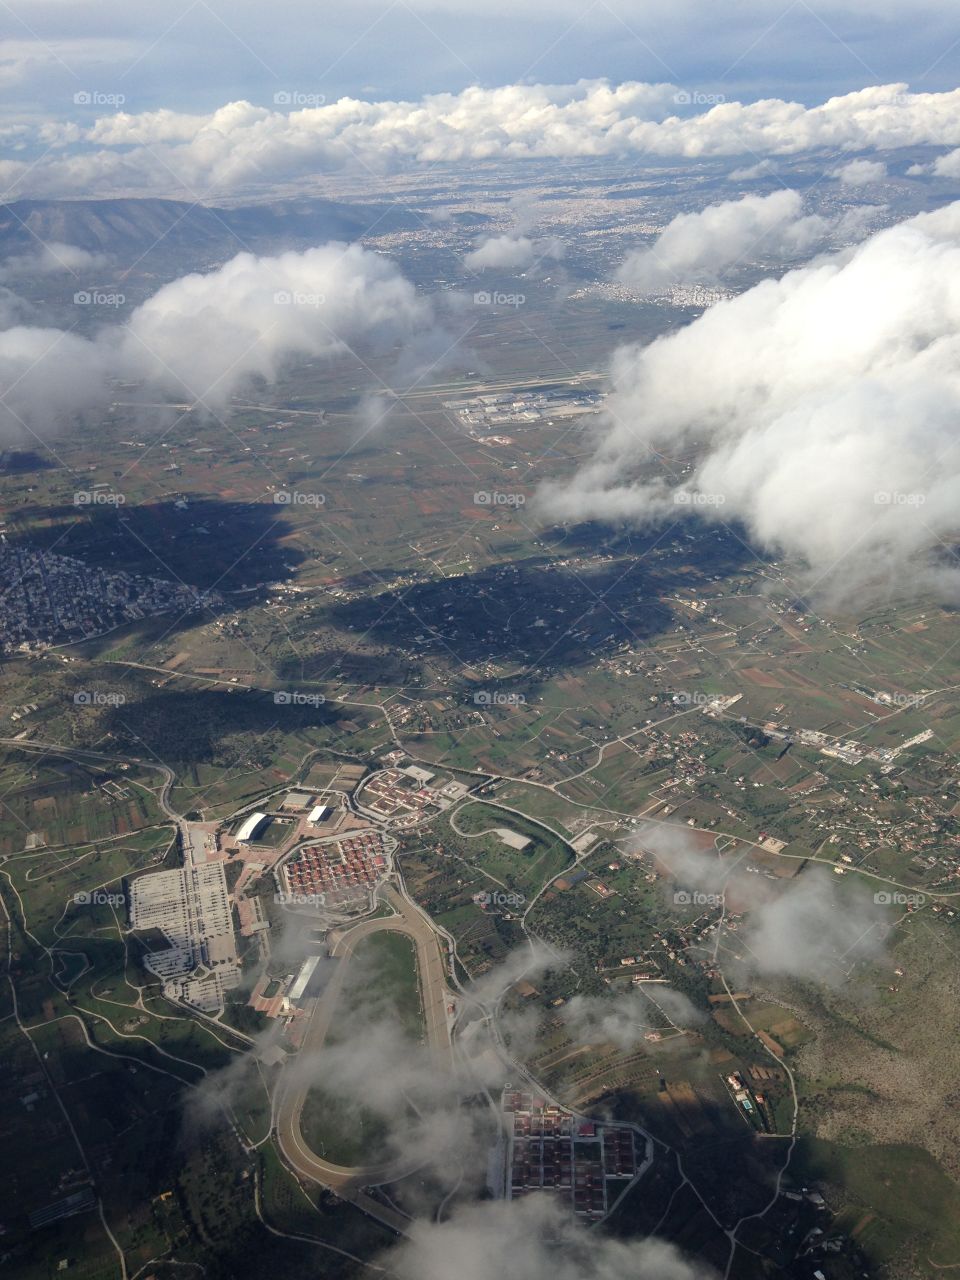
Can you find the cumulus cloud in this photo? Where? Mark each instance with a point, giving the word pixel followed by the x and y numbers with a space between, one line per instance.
pixel 203 336
pixel 859 173
pixel 697 246
pixel 512 252
pixel 533 1239
pixel 207 334
pixel 823 412
pixel 243 145
pixel 947 166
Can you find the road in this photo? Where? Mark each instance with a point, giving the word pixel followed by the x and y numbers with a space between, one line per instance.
pixel 349 1183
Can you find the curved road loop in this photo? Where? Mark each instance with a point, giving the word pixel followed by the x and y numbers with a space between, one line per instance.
pixel 349 1183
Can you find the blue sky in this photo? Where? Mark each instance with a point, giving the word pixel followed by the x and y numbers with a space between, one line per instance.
pixel 195 55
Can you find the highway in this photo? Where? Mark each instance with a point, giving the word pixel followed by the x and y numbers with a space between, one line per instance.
pixel 349 1183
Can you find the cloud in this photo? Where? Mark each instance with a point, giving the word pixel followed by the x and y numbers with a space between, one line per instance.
pixel 51 259
pixel 625 1020
pixel 204 336
pixel 947 166
pixel 823 414
pixel 816 930
pixel 512 252
pixel 859 173
pixel 697 246
pixel 243 146
pixel 815 927
pixel 534 1239
pixel 762 169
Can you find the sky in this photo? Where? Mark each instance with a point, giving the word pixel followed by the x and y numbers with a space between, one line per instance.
pixel 197 54
pixel 206 98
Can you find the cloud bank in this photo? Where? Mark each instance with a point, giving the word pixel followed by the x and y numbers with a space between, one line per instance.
pixel 823 411
pixel 243 145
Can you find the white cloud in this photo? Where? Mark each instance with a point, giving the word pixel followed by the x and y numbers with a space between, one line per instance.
pixel 762 169
pixel 512 252
pixel 533 1239
pixel 206 334
pixel 52 258
pixel 815 930
pixel 202 337
pixel 815 927
pixel 824 409
pixel 242 145
pixel 859 173
pixel 625 1020
pixel 696 246
pixel 947 166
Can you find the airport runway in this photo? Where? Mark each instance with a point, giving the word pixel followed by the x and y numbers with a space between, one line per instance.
pixel 349 1182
